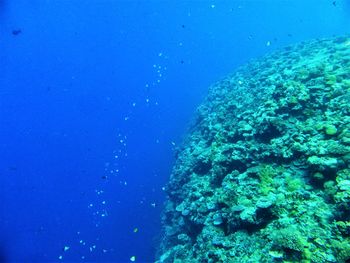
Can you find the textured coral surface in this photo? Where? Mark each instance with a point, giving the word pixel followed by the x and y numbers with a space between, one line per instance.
pixel 264 174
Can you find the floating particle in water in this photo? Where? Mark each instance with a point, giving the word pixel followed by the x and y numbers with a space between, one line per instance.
pixel 136 230
pixel 212 6
pixel 92 248
pixel 66 248
pixel 268 43
pixel 153 205
pixel 98 192
pixel 60 257
pixel 133 258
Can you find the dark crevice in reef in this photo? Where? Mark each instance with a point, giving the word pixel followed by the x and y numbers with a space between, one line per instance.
pixel 268 134
pixel 344 214
pixel 263 218
pixel 202 168
pixel 229 167
pixel 225 227
pixel 293 255
pixel 193 230
pixel 217 179
pixel 235 138
pixel 237 165
pixel 327 175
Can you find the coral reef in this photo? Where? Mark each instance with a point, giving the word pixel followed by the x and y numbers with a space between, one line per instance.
pixel 264 173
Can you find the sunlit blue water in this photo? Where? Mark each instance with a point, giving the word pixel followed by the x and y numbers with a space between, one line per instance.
pixel 93 97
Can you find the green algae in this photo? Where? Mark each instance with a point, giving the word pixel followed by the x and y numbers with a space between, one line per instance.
pixel 264 175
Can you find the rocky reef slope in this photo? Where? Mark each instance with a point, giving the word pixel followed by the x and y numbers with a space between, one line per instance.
pixel 264 174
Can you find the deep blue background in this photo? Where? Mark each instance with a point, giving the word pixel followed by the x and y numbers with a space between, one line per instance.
pixel 93 94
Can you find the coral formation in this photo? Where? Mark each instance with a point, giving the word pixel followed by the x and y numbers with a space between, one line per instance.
pixel 264 174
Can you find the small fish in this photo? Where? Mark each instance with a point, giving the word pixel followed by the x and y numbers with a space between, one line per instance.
pixel 16 32
pixel 13 168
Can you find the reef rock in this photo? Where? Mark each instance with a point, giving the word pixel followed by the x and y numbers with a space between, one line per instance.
pixel 264 173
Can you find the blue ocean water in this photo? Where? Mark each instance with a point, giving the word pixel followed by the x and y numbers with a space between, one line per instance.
pixel 94 97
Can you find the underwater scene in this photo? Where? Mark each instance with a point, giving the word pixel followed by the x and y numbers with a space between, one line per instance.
pixel 175 131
